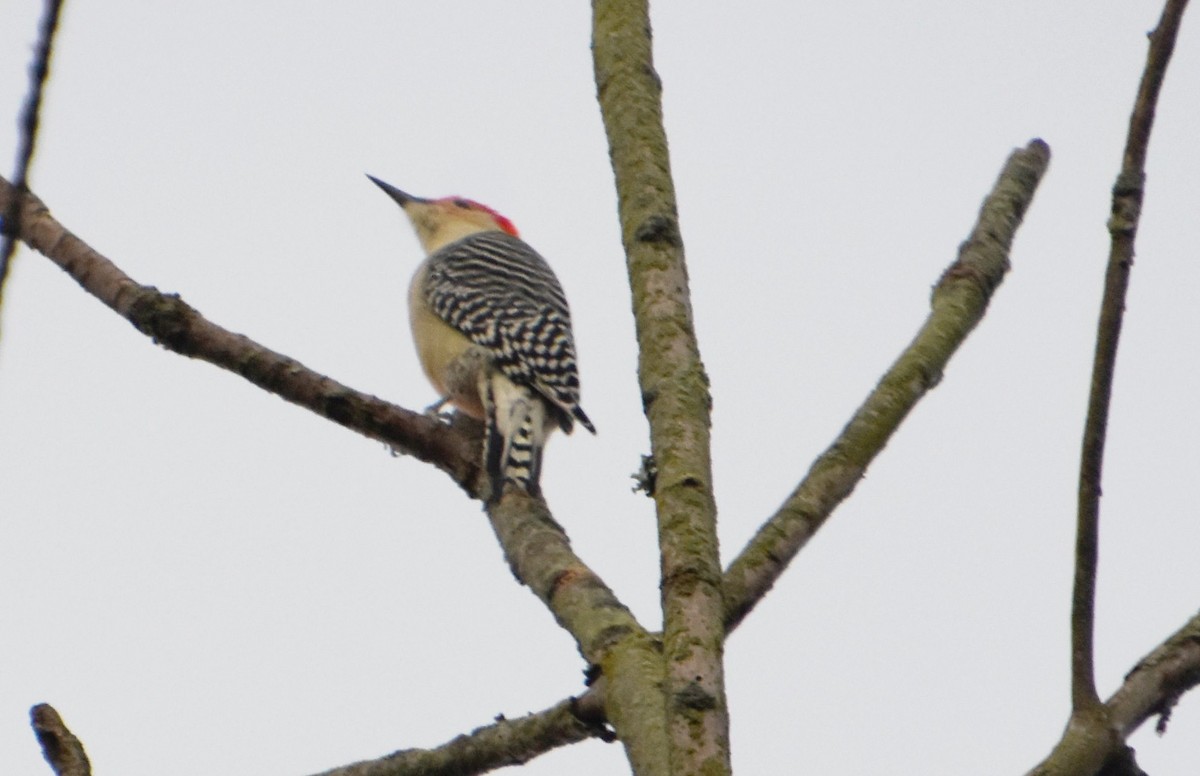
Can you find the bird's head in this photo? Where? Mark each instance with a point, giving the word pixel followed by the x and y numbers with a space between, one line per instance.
pixel 439 222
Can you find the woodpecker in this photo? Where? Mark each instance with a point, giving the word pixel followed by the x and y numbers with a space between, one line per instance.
pixel 493 332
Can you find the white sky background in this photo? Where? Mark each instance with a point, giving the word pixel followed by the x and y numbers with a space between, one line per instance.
pixel 196 573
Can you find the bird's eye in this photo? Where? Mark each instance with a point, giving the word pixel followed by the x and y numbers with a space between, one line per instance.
pixel 465 204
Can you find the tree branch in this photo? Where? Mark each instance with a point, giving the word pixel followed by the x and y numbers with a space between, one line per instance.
pixel 959 302
pixel 1095 737
pixel 506 742
pixel 178 327
pixel 674 388
pixel 540 556
pixel 1158 681
pixel 39 71
pixel 1122 227
pixel 608 636
pixel 60 747
pixel 1095 734
pixel 538 551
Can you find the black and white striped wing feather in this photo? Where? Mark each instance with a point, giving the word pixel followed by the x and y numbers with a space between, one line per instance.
pixel 499 292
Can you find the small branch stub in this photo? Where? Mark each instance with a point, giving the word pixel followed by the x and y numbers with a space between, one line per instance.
pixel 59 745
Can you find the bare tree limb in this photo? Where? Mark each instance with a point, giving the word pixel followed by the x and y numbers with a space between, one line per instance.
pixel 1094 741
pixel 1151 688
pixel 629 658
pixel 60 747
pixel 674 387
pixel 39 71
pixel 1095 738
pixel 1158 681
pixel 960 300
pixel 178 327
pixel 540 556
pixel 537 549
pixel 1122 227
pixel 506 742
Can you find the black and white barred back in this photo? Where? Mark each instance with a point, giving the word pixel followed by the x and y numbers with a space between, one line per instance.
pixel 503 295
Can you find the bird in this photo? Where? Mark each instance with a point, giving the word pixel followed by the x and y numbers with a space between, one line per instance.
pixel 493 333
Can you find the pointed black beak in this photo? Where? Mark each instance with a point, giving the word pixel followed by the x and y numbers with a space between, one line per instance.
pixel 399 196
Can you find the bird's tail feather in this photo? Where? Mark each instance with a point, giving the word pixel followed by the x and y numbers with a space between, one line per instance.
pixel 516 436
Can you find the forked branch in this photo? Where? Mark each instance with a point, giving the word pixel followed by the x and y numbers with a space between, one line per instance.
pixel 1122 227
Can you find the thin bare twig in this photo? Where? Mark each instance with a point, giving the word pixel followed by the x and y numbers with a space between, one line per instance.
pixel 39 70
pixel 1122 226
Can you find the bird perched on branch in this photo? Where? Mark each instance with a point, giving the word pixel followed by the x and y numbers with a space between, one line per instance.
pixel 493 333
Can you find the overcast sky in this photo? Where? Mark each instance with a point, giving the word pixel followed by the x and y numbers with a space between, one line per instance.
pixel 205 579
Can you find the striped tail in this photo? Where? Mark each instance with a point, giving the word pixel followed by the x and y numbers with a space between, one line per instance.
pixel 515 436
